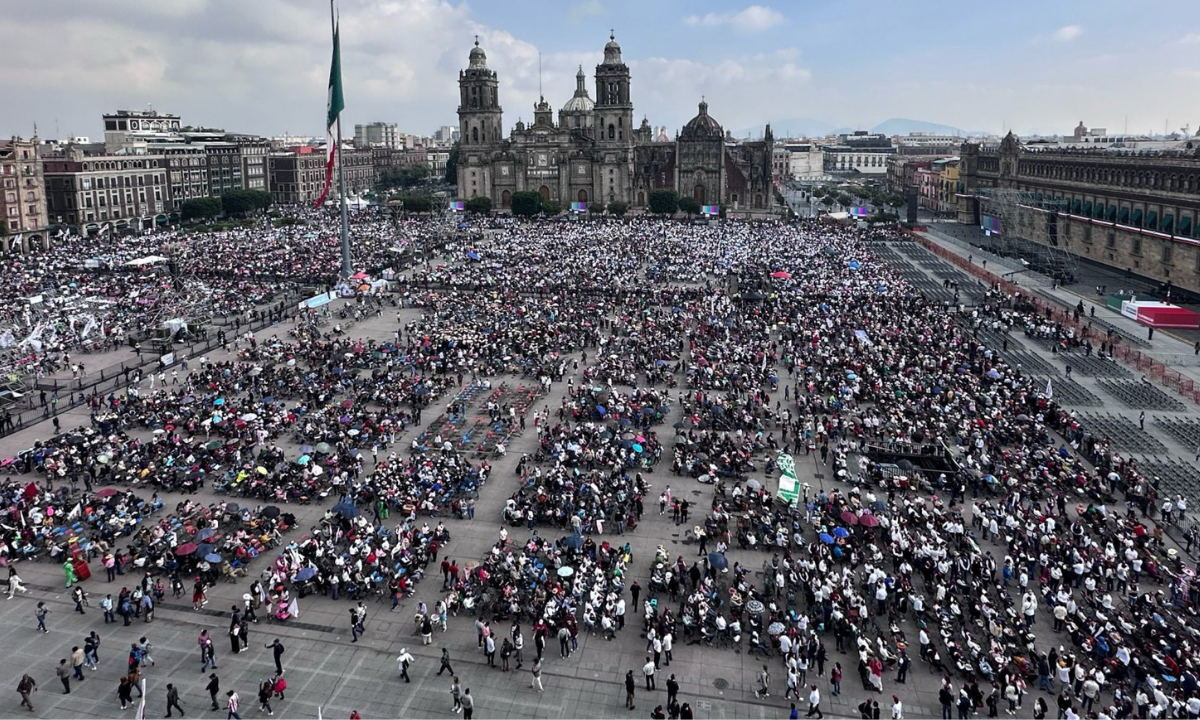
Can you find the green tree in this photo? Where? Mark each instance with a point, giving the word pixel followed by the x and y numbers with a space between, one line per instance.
pixel 617 208
pixel 551 207
pixel 205 208
pixel 403 177
pixel 451 176
pixel 663 202
pixel 417 204
pixel 238 203
pixel 526 203
pixel 689 205
pixel 261 198
pixel 479 205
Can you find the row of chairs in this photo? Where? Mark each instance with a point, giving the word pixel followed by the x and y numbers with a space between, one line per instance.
pixel 1140 395
pixel 1184 429
pixel 1122 432
pixel 1175 477
pixel 1068 392
pixel 1093 366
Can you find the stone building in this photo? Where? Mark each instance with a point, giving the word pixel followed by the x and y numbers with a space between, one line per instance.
pixel 22 191
pixel 595 154
pixel 87 192
pixel 297 176
pixel 1136 211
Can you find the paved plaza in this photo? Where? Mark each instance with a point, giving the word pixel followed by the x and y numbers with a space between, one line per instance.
pixel 329 675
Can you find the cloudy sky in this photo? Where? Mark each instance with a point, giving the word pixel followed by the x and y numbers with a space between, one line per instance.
pixel 260 66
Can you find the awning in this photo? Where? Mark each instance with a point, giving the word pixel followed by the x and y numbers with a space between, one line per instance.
pixel 1077 206
pixel 1185 227
pixel 1112 213
pixel 1087 208
pixel 1123 217
pixel 1168 223
pixel 1137 217
pixel 1152 220
pixel 1099 211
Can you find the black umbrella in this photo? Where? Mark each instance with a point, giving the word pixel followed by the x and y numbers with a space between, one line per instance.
pixel 270 511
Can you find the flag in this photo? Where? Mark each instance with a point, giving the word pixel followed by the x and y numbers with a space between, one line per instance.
pixel 141 711
pixel 1049 390
pixel 333 110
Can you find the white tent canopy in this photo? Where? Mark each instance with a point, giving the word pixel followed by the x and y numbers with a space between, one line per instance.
pixel 148 260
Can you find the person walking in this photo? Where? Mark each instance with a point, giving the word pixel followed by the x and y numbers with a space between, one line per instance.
pixel 15 584
pixel 25 688
pixel 41 612
pixel 64 675
pixel 144 646
pixel 630 686
pixel 468 704
pixel 125 692
pixel 672 689
pixel 277 650
pixel 456 695
pixel 106 606
pixel 403 662
pixel 446 663
pixel 279 685
pixel 173 700
pixel 537 675
pixel 356 622
pixel 265 690
pixel 231 705
pixel 489 650
pixel 91 644
pixel 80 598
pixel 77 660
pixel 814 702
pixel 213 687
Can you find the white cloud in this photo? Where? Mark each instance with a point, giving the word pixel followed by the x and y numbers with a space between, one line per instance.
pixel 1190 39
pixel 1067 33
pixel 580 11
pixel 756 18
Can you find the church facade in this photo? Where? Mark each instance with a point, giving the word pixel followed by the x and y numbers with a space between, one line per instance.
pixel 593 153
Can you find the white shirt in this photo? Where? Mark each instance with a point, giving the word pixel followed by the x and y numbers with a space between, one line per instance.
pixel 814 697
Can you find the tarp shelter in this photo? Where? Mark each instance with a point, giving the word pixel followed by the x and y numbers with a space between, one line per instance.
pixel 148 260
pixel 789 484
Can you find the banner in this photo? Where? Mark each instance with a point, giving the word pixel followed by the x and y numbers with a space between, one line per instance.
pixel 789 485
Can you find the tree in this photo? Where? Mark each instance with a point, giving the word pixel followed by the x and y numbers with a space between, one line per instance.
pixel 417 204
pixel 663 202
pixel 261 198
pixel 551 207
pixel 526 203
pixel 238 203
pixel 451 176
pixel 404 177
pixel 479 205
pixel 617 208
pixel 689 205
pixel 205 208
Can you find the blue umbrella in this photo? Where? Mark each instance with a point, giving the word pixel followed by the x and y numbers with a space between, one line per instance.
pixel 473 255
pixel 346 510
pixel 306 449
pixel 306 573
pixel 718 561
pixel 841 532
pixel 854 265
pixel 601 409
pixel 213 558
pixel 219 401
pixel 637 447
pixel 574 542
pixel 826 538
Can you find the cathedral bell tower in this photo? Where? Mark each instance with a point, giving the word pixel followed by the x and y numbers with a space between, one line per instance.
pixel 479 102
pixel 614 109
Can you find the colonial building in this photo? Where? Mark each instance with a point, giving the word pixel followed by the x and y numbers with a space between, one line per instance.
pixel 22 190
pixel 297 176
pixel 595 154
pixel 860 153
pixel 1132 210
pixel 89 191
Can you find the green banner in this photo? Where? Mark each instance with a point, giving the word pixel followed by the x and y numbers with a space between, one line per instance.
pixel 789 485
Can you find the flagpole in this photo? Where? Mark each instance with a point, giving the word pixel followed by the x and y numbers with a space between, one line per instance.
pixel 347 270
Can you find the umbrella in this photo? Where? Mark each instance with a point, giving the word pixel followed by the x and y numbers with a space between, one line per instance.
pixel 574 542
pixel 640 439
pixel 303 460
pixel 204 549
pixel 754 607
pixel 753 485
pixel 106 492
pixel 346 510
pixel 780 274
pixel 248 417
pixel 601 409
pixel 270 511
pixel 186 548
pixel 637 448
pixel 219 401
pixel 869 521
pixel 306 449
pixel 205 534
pixel 565 572
pixel 260 470
pixel 322 447
pixel 232 507
pixel 682 425
pixel 775 628
pixel 841 532
pixel 103 459
pixel 849 518
pixel 214 444
pixel 826 538
pixel 854 265
pixel 878 506
pixel 718 561
pixel 213 558
pixel 305 573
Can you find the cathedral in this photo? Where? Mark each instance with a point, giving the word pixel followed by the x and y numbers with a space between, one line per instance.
pixel 593 153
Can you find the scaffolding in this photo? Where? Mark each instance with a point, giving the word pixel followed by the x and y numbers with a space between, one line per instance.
pixel 1023 216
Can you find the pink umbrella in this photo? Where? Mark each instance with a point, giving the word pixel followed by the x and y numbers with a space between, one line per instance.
pixel 781 274
pixel 869 521
pixel 849 518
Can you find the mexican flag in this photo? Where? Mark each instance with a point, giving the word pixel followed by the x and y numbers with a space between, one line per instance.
pixel 789 485
pixel 333 109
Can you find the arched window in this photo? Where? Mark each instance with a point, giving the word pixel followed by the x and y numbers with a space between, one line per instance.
pixel 612 131
pixel 474 134
pixel 641 198
pixel 582 196
pixel 545 192
pixel 505 199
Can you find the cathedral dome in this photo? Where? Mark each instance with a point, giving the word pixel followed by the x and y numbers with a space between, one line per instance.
pixel 579 102
pixel 702 127
pixel 612 51
pixel 478 57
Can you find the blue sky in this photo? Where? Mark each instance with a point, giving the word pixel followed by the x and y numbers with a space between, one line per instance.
pixel 261 66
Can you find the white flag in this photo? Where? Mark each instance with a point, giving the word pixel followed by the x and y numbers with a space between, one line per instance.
pixel 1049 390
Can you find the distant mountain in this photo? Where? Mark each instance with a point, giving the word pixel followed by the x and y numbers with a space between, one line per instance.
pixel 904 126
pixel 790 127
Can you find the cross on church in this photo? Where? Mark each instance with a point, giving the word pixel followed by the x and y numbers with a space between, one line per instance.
pixel 476 41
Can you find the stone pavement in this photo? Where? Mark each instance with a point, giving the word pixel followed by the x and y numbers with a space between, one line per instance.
pixel 326 671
